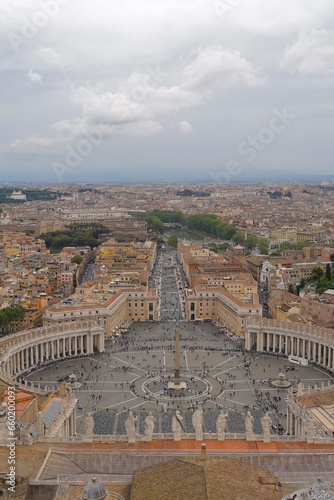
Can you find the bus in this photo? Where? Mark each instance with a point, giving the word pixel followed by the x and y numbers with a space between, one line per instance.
pixel 297 360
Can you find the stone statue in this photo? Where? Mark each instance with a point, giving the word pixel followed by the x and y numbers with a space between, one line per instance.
pixel 89 425
pixel 40 424
pixel 149 425
pixel 266 426
pixel 221 425
pixel 249 421
pixel 311 430
pixel 130 427
pixel 3 425
pixel 300 389
pixel 62 390
pixel 3 412
pixel 197 420
pixel 25 436
pixel 177 425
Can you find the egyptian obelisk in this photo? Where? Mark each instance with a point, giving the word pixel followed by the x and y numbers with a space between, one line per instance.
pixel 177 383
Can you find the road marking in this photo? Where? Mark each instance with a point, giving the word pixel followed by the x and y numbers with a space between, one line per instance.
pixel 225 361
pixel 130 408
pixel 133 366
pixel 186 360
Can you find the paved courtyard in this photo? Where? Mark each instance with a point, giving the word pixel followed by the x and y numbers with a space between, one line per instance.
pixel 133 372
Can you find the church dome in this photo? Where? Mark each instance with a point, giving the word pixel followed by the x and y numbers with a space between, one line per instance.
pixel 94 490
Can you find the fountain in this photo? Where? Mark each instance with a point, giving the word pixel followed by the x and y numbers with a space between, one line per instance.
pixel 72 382
pixel 281 382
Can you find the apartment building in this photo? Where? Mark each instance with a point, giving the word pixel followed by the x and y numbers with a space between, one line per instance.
pixel 219 290
pixel 222 308
pixel 112 308
pixel 318 309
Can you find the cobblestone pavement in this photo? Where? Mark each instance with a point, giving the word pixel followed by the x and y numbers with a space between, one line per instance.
pixel 134 371
pixel 132 374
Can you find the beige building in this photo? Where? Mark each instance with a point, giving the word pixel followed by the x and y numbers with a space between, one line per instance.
pixel 317 309
pixel 219 291
pixel 113 308
pixel 120 294
pixel 221 307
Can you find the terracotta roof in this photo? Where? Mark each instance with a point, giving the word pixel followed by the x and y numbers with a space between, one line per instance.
pixel 22 401
pixel 176 479
pixel 210 479
pixel 321 397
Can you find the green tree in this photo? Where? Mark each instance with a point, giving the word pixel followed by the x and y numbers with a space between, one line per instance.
pixel 263 245
pixel 61 241
pixel 316 273
pixel 302 283
pixel 322 285
pixel 251 242
pixel 301 244
pixel 155 224
pixel 172 241
pixel 10 317
pixel 77 259
pixel 238 239
pixel 328 273
pixel 286 245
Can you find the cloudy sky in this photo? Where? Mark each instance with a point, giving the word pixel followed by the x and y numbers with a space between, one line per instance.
pixel 128 90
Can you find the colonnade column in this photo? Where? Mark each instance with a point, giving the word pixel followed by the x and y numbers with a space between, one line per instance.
pixel 286 345
pixel 330 358
pixel 11 361
pixel 260 341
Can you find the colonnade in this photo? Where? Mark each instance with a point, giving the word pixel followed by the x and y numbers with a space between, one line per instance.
pixel 314 344
pixel 25 350
pixel 293 424
pixel 65 425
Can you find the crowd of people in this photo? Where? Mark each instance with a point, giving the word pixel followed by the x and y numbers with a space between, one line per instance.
pixel 145 354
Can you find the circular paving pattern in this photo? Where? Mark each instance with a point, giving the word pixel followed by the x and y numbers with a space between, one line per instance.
pixel 198 388
pixel 133 374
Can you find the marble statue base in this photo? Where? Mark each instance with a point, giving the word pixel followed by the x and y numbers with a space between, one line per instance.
pixel 173 385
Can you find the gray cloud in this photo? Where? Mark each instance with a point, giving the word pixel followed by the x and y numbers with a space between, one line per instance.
pixel 144 71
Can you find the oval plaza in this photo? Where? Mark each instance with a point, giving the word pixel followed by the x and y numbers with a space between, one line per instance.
pixel 119 342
